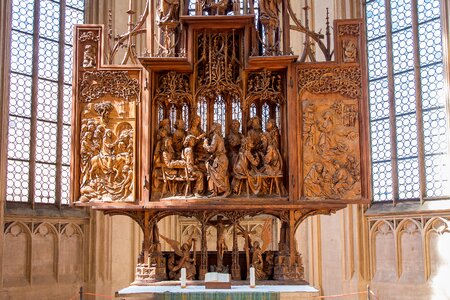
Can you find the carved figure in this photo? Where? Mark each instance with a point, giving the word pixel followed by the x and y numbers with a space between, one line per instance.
pixel 221 230
pixel 274 132
pixel 254 130
pixel 269 19
pixel 171 264
pixel 273 162
pixel 257 261
pixel 89 56
pixel 185 253
pixel 217 164
pixel 234 140
pixel 245 169
pixel 168 10
pixel 350 51
pixel 317 181
pixel 178 137
pixel 193 171
pixel 269 264
pixel 196 130
pixel 218 7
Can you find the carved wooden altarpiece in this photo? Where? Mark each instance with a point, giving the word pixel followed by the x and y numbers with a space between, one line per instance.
pixel 220 122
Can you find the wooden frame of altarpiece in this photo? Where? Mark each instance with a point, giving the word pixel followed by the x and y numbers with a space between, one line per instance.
pixel 321 113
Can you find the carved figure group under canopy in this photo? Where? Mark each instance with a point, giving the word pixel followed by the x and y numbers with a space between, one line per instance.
pixel 226 165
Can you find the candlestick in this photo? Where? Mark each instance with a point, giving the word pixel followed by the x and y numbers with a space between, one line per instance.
pixel 252 277
pixel 183 278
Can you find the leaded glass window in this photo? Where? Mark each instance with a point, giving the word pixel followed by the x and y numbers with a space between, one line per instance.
pixel 408 119
pixel 40 97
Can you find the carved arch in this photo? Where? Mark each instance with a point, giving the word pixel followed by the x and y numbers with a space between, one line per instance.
pixel 438 225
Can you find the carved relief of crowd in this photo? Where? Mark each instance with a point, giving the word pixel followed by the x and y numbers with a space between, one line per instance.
pixel 207 164
pixel 106 154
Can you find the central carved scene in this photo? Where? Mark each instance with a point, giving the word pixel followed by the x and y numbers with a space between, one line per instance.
pixel 218 132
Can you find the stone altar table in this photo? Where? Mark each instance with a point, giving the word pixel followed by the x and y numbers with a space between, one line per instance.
pixel 237 292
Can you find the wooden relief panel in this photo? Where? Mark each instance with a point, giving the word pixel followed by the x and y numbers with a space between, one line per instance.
pixel 105 113
pixel 331 157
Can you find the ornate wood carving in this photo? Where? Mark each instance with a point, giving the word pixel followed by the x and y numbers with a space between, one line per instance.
pixel 105 115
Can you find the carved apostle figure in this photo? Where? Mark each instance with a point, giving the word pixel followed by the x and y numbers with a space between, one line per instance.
pixel 234 140
pixel 217 164
pixel 245 168
pixel 274 132
pixel 193 171
pixel 196 130
pixel 178 137
pixel 273 162
pixel 254 130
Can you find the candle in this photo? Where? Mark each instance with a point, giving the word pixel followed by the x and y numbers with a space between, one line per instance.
pixel 252 277
pixel 183 278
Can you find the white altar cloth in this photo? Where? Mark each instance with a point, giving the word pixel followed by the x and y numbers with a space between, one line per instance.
pixel 283 292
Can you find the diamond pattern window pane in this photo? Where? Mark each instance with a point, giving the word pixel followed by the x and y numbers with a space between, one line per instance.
pixel 49 19
pixel 21 52
pixel 45 183
pixel 17 181
pixel 20 95
pixel 22 15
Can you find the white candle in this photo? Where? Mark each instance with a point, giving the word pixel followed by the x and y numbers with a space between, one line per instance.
pixel 183 278
pixel 252 277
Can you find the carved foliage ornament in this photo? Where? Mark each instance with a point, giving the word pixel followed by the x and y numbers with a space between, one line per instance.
pixel 173 88
pixel 88 36
pixel 349 29
pixel 345 81
pixel 96 84
pixel 219 65
pixel 264 86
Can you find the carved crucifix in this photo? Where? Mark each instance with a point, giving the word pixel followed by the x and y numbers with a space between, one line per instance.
pixel 221 228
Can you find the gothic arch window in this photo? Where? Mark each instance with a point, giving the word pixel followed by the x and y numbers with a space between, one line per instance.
pixel 40 95
pixel 408 118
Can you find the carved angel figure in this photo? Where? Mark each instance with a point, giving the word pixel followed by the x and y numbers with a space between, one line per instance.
pixel 185 253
